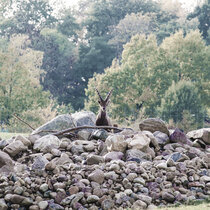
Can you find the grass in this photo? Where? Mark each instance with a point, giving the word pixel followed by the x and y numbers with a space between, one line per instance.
pixel 204 206
pixel 193 205
pixel 5 135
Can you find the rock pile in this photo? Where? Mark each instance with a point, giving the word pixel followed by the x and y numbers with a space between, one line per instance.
pixel 150 167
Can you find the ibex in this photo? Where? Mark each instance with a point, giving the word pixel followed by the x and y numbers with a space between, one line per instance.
pixel 102 118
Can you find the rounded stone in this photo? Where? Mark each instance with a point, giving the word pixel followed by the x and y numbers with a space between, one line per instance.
pixel 43 205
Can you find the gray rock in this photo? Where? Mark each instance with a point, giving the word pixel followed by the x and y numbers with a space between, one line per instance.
pixel 113 156
pixel 116 142
pixel 139 141
pixel 100 134
pixel 145 198
pixel 84 118
pixel 3 143
pixel 17 199
pixel 179 137
pixel 139 204
pixel 92 198
pixel 54 206
pixel 15 148
pixel 76 198
pixel 84 134
pixel 3 205
pixel 39 162
pixel 24 140
pixel 178 157
pixel 94 159
pixel 153 124
pixel 153 140
pixel 44 187
pixel 169 197
pixel 43 205
pixel 18 190
pixel 62 160
pixel 56 152
pixel 162 165
pixel 162 138
pixel 97 176
pixel 50 166
pixel 107 204
pixel 6 163
pixel 60 122
pixel 203 134
pixel 46 141
pixel 137 155
pixel 80 146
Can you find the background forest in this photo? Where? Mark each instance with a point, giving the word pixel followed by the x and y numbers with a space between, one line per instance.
pixel 154 54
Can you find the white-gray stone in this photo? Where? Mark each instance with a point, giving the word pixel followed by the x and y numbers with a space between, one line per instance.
pixel 84 118
pixel 60 122
pixel 15 148
pixel 116 142
pixel 45 141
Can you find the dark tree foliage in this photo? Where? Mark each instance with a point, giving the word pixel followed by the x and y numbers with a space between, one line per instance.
pixel 203 15
pixel 29 18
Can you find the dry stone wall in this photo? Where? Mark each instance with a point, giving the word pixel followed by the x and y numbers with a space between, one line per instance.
pixel 101 170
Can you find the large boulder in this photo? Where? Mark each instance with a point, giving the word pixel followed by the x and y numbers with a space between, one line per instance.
pixel 84 118
pixel 46 141
pixel 152 125
pixel 137 155
pixel 15 148
pixel 203 134
pixel 60 122
pixel 179 137
pixel 116 142
pixel 139 141
pixel 6 163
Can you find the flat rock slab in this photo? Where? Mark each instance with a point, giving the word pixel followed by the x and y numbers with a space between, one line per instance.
pixel 153 124
pixel 203 134
pixel 84 118
pixel 59 123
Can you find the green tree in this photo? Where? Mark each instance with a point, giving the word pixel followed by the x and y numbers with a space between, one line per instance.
pixel 58 62
pixel 147 70
pixel 181 97
pixel 203 15
pixel 29 17
pixel 20 89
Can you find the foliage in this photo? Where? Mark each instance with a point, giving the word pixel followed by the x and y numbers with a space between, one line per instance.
pixel 58 62
pixel 147 70
pixel 181 101
pixel 20 89
pixel 203 14
pixel 29 17
pixel 191 60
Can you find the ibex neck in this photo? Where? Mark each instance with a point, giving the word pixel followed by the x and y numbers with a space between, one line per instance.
pixel 103 113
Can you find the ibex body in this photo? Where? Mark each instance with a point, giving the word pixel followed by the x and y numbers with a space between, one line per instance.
pixel 102 117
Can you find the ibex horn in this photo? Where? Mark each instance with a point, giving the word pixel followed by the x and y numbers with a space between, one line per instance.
pixel 108 95
pixel 99 94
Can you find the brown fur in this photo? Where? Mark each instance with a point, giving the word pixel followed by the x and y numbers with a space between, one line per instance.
pixel 102 117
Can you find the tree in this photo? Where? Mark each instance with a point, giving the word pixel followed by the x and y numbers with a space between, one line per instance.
pixel 58 62
pixel 203 15
pixel 29 17
pixel 179 98
pixel 191 60
pixel 20 89
pixel 147 70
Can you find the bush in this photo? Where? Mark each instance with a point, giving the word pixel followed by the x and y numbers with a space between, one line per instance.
pixel 182 101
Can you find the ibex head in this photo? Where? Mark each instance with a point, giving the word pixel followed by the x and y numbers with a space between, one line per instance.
pixel 104 103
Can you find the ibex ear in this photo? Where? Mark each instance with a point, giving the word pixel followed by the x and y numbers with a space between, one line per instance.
pixel 99 101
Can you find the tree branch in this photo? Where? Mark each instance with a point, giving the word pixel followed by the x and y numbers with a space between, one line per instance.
pixel 85 127
pixel 23 121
